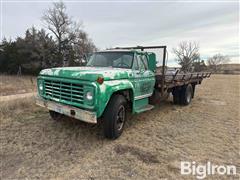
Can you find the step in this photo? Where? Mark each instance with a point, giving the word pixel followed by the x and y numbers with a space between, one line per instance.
pixel 144 108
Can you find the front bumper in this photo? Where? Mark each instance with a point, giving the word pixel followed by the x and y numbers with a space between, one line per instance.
pixel 80 114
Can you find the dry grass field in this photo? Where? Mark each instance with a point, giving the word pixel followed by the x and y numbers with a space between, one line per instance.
pixel 16 84
pixel 151 147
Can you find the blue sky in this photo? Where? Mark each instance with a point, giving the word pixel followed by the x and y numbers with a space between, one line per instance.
pixel 214 25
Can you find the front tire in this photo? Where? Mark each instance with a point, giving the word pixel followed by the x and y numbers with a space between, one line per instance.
pixel 115 117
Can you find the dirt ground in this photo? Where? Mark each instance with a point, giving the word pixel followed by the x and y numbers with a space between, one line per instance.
pixel 151 147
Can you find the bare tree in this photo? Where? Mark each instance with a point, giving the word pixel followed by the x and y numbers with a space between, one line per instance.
pixel 72 41
pixel 58 22
pixel 215 61
pixel 81 43
pixel 187 53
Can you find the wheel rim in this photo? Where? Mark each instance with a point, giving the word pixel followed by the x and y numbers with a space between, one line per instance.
pixel 120 117
pixel 189 95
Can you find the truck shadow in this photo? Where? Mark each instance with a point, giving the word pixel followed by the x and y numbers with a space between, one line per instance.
pixel 134 119
pixel 80 129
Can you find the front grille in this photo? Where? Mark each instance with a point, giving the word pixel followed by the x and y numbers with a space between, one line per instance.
pixel 64 91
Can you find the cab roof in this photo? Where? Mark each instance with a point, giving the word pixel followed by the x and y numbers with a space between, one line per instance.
pixel 124 50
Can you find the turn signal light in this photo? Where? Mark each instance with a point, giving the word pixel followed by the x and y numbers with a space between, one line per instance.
pixel 100 80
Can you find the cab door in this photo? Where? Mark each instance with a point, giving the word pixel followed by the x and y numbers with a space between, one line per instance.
pixel 144 79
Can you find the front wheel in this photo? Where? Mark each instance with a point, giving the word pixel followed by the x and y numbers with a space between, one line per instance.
pixel 114 117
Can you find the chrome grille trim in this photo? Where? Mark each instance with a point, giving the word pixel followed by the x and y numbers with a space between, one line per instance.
pixel 67 91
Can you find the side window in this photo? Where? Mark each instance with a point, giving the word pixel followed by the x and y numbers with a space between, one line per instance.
pixel 145 61
pixel 135 63
pixel 140 63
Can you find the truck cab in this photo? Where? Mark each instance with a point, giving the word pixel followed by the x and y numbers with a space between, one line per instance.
pixel 112 82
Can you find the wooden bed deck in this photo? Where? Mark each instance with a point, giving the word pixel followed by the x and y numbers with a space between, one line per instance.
pixel 179 79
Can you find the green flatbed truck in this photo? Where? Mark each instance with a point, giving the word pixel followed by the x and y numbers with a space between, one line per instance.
pixel 112 82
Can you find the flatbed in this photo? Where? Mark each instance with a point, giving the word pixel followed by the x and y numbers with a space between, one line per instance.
pixel 180 79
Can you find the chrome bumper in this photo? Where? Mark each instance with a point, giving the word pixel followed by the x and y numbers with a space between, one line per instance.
pixel 83 115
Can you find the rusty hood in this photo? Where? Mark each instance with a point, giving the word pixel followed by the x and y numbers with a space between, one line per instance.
pixel 88 73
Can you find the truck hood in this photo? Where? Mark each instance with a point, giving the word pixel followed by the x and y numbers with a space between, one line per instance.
pixel 88 73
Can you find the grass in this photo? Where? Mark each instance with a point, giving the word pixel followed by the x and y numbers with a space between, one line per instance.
pixel 16 84
pixel 33 146
pixel 13 109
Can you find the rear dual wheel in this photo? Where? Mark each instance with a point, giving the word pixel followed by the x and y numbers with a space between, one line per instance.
pixel 186 95
pixel 183 96
pixel 176 96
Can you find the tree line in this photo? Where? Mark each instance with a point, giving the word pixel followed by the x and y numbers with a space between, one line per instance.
pixel 61 42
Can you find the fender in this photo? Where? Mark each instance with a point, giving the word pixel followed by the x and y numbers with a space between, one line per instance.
pixel 107 89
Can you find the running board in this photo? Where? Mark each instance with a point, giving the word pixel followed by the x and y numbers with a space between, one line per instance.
pixel 144 108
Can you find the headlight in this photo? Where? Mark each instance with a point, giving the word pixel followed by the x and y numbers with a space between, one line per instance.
pixel 89 96
pixel 40 86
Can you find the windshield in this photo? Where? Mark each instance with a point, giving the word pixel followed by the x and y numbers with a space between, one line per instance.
pixel 111 59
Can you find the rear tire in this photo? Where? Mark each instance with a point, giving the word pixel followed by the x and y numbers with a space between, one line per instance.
pixel 114 117
pixel 176 96
pixel 186 95
pixel 55 115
